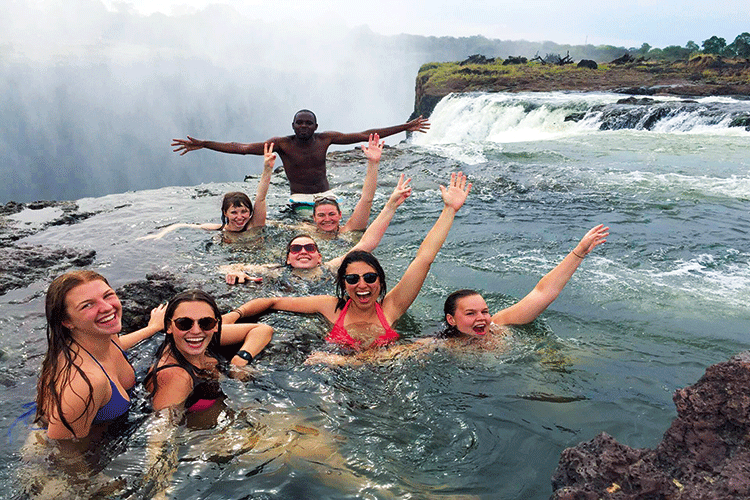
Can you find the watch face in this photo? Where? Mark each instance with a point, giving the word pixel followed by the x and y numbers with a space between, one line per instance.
pixel 245 355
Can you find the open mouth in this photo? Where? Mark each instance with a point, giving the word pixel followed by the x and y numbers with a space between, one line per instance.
pixel 480 329
pixel 195 342
pixel 107 319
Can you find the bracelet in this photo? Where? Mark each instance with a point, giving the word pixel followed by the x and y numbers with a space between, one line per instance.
pixel 579 256
pixel 245 355
pixel 238 312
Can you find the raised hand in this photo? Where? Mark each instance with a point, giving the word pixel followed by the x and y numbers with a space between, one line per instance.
pixel 374 148
pixel 592 239
pixel 186 145
pixel 269 157
pixel 418 125
pixel 455 194
pixel 400 193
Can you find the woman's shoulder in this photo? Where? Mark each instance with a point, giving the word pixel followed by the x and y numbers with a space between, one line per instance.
pixel 170 375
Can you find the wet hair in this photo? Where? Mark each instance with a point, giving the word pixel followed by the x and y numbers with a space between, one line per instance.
pixel 59 362
pixel 451 303
pixel 357 256
pixel 168 345
pixel 289 245
pixel 326 201
pixel 235 199
pixel 315 118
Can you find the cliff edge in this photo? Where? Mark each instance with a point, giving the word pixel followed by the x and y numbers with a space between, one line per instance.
pixel 702 75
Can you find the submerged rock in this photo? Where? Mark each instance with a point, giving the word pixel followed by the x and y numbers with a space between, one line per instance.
pixel 705 454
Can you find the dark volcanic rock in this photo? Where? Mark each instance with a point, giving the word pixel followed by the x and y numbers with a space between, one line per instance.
pixel 23 264
pixel 705 454
pixel 139 297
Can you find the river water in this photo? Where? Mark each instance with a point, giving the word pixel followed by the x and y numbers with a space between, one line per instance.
pixel 644 315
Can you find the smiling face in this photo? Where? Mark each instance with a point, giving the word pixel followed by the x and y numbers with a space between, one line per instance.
pixel 362 293
pixel 327 218
pixel 193 342
pixel 300 257
pixel 92 308
pixel 304 125
pixel 237 217
pixel 472 316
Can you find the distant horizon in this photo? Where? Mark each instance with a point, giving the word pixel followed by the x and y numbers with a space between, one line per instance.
pixel 584 22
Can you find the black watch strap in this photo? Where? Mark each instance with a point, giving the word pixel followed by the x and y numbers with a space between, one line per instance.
pixel 245 355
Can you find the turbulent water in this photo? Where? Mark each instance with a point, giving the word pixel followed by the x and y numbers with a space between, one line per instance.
pixel 645 314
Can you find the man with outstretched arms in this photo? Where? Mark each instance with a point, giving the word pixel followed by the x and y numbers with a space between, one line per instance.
pixel 304 153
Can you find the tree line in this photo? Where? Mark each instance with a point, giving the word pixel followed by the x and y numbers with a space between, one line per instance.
pixel 716 45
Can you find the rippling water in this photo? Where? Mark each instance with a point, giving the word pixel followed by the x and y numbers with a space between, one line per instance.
pixel 645 314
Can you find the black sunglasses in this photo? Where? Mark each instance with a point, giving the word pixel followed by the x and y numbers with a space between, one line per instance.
pixel 353 279
pixel 205 324
pixel 297 248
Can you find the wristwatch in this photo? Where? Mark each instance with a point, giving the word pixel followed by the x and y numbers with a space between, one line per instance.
pixel 245 355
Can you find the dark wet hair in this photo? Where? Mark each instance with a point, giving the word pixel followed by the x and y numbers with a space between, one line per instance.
pixel 326 201
pixel 168 345
pixel 235 199
pixel 357 256
pixel 451 303
pixel 315 118
pixel 289 245
pixel 59 362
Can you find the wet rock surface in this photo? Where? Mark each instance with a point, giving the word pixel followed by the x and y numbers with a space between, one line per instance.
pixel 705 453
pixel 23 263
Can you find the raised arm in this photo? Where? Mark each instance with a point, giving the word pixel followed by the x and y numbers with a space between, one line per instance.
pixel 315 304
pixel 157 236
pixel 155 325
pixel 259 210
pixel 371 239
pixel 417 125
pixel 361 215
pixel 549 287
pixel 184 146
pixel 403 294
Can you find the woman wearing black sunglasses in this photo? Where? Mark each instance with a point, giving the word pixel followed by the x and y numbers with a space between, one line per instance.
pixel 187 367
pixel 362 312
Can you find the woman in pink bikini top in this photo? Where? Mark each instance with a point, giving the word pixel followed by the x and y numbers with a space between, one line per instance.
pixel 363 310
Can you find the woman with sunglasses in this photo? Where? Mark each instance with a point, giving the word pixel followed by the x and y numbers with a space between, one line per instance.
pixel 303 255
pixel 86 380
pixel 362 312
pixel 237 212
pixel 188 362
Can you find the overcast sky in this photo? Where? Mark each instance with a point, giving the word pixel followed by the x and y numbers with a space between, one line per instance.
pixel 599 22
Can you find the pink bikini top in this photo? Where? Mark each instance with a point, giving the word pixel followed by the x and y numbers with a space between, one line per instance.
pixel 339 335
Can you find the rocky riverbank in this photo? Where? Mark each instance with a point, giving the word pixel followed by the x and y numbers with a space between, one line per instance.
pixel 705 454
pixel 702 75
